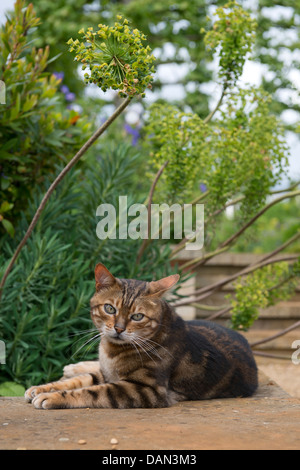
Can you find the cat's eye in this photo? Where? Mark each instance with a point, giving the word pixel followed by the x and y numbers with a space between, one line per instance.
pixel 137 316
pixel 109 309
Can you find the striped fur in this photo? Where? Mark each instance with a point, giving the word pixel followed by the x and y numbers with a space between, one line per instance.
pixel 153 361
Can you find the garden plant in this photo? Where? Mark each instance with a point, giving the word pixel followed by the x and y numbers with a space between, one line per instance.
pixel 55 173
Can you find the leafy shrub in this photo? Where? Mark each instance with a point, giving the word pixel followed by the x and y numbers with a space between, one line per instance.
pixel 241 152
pixel 37 132
pixel 262 289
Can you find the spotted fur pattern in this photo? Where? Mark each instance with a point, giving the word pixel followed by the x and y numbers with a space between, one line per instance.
pixel 150 360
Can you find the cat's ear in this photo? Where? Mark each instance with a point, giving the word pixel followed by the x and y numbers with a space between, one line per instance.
pixel 103 277
pixel 158 288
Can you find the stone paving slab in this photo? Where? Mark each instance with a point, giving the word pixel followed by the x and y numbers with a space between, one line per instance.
pixel 268 420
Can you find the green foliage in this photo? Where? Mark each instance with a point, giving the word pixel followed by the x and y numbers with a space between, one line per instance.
pixel 250 150
pixel 243 151
pixel 177 23
pixel 59 21
pixel 116 57
pixel 36 132
pixel 261 289
pixel 11 389
pixel 232 35
pixel 180 23
pixel 277 43
pixel 180 139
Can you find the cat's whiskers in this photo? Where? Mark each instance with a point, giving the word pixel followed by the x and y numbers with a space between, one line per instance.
pixel 141 346
pixel 84 332
pixel 87 342
pixel 147 340
pixel 132 343
pixel 148 349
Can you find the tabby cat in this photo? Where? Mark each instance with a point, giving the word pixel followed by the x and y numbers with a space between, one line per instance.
pixel 149 356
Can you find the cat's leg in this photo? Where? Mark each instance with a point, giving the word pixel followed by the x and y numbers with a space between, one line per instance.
pixel 84 367
pixel 83 380
pixel 122 394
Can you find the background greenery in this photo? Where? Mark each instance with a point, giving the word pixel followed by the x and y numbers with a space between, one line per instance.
pixel 239 152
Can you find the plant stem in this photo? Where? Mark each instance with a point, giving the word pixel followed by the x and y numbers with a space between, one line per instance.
pixel 261 212
pixel 208 290
pixel 210 116
pixel 146 241
pixel 207 307
pixel 203 258
pixel 277 335
pixel 273 356
pixel 55 183
pixel 226 244
pixel 220 313
pixel 181 245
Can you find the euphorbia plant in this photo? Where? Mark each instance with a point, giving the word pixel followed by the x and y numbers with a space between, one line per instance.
pixel 116 58
pixel 120 62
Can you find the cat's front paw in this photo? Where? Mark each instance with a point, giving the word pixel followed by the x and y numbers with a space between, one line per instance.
pixel 33 391
pixel 48 401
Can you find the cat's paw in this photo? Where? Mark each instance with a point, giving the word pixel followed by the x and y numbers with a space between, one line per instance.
pixel 48 401
pixel 35 390
pixel 32 392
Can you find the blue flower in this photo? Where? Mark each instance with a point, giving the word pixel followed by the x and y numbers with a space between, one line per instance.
pixel 59 75
pixel 70 96
pixel 64 89
pixel 134 132
pixel 203 187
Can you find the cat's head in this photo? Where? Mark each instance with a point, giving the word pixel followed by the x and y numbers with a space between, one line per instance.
pixel 127 310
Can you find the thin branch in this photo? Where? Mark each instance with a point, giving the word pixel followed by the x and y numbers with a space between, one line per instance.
pixel 273 356
pixel 185 241
pixel 281 247
pixel 150 198
pixel 261 212
pixel 238 199
pixel 204 258
pixel 212 113
pixel 208 290
pixel 293 186
pixel 220 313
pixel 55 183
pixel 277 335
pixel 200 261
pixel 208 308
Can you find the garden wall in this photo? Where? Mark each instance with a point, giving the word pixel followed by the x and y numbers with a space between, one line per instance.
pixel 270 321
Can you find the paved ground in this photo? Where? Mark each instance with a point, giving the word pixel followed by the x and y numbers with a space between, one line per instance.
pixel 269 420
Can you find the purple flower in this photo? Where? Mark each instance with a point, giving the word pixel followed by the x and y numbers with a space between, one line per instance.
pixel 59 75
pixel 134 132
pixel 70 96
pixel 64 89
pixel 203 187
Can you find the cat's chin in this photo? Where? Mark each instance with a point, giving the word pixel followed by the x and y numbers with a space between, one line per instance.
pixel 116 339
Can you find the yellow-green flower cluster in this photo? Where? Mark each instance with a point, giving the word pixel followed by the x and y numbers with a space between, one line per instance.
pixel 115 57
pixel 233 34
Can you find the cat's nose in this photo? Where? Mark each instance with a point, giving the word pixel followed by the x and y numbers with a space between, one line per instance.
pixel 119 329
